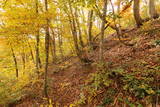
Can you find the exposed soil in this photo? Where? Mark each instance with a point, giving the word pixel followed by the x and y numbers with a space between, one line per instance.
pixel 66 84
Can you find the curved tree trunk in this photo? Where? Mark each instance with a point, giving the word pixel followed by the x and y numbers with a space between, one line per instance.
pixel 136 12
pixel 152 10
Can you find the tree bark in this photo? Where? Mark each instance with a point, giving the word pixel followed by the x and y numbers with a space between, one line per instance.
pixel 118 9
pixel 53 43
pixel 90 24
pixel 31 52
pixel 136 12
pixel 84 23
pixel 51 48
pixel 15 61
pixel 152 10
pixel 74 30
pixel 101 58
pixel 79 29
pixel 118 6
pixel 47 37
pixel 38 62
pixel 60 43
pixel 23 59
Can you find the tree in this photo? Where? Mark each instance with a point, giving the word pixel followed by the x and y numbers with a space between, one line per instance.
pixel 60 41
pixel 79 28
pixel 90 25
pixel 152 10
pixel 38 62
pixel 74 29
pixel 102 30
pixel 15 61
pixel 136 13
pixel 53 46
pixel 47 37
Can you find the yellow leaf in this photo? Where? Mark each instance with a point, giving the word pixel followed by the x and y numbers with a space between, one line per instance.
pixel 72 105
pixel 41 106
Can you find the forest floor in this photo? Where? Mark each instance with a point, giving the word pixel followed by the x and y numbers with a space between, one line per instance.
pixel 65 85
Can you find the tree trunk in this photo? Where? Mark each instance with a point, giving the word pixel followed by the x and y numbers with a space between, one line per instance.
pixel 47 37
pixel 119 9
pixel 101 58
pixel 51 48
pixel 53 42
pixel 74 30
pixel 60 43
pixel 15 61
pixel 38 62
pixel 23 59
pixel 31 52
pixel 84 23
pixel 118 6
pixel 152 10
pixel 90 24
pixel 136 12
pixel 79 29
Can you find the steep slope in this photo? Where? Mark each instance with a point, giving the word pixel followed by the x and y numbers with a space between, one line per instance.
pixel 66 84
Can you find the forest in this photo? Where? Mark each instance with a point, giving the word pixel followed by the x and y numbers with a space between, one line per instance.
pixel 79 53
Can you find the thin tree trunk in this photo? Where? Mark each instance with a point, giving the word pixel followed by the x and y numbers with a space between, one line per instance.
pixel 53 46
pixel 118 29
pixel 52 51
pixel 118 9
pixel 47 37
pixel 136 12
pixel 118 6
pixel 31 52
pixel 90 24
pixel 101 58
pixel 60 44
pixel 152 10
pixel 109 23
pixel 38 61
pixel 15 61
pixel 79 29
pixel 74 31
pixel 23 59
pixel 84 22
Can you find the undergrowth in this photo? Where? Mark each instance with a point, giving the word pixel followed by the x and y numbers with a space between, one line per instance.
pixel 122 87
pixel 12 89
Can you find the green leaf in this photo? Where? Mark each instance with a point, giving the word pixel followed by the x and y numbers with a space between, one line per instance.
pixel 158 92
pixel 140 105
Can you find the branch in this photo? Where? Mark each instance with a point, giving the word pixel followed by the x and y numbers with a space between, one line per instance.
pixel 109 24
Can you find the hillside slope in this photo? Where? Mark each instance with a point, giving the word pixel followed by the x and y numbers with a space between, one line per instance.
pixel 66 86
